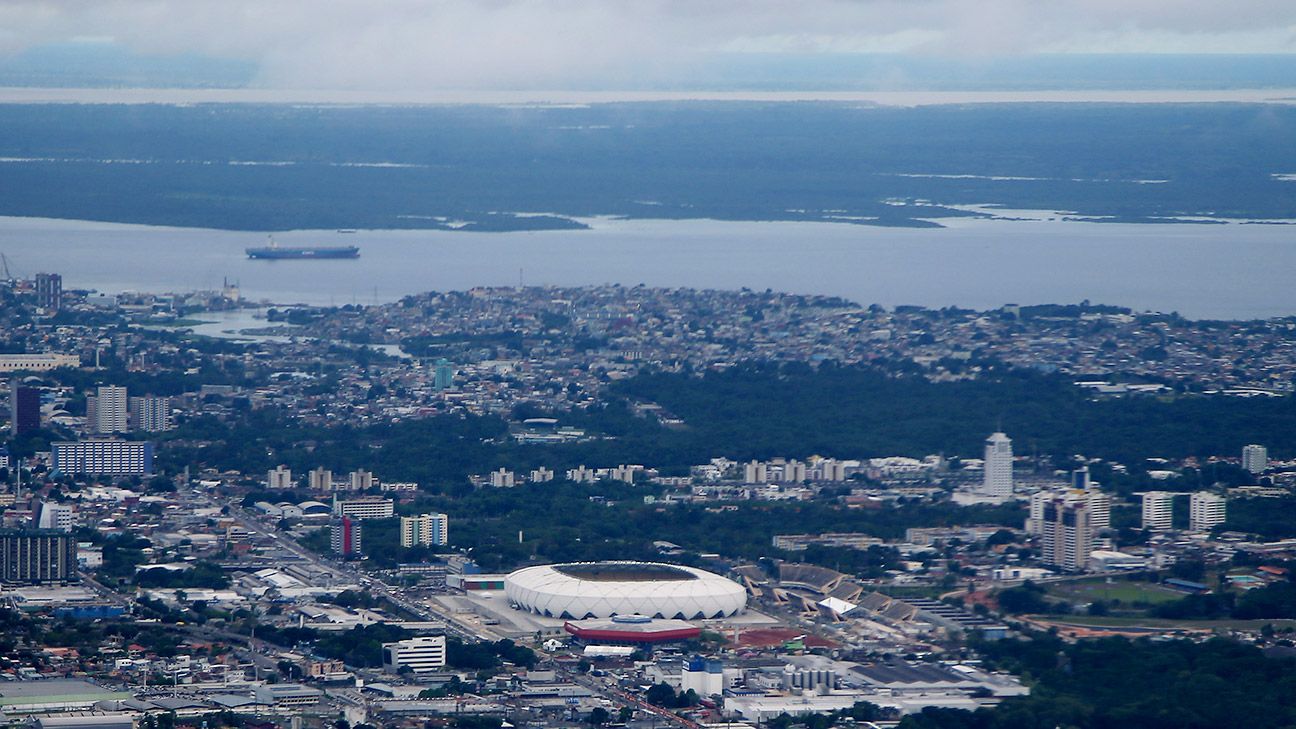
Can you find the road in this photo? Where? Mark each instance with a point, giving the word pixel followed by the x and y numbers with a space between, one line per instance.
pixel 345 573
pixel 623 698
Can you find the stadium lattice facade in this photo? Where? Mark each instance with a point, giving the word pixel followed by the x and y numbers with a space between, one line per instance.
pixel 583 590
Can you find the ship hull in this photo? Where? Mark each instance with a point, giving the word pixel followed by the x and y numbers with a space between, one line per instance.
pixel 303 254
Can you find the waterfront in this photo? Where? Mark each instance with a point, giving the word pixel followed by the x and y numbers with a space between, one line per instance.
pixel 1234 271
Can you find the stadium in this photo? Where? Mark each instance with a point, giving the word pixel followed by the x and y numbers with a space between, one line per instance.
pixel 581 590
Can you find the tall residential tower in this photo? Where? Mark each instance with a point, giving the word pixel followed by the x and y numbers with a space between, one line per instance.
pixel 998 466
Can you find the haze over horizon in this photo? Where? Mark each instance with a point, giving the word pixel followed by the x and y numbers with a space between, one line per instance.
pixel 657 44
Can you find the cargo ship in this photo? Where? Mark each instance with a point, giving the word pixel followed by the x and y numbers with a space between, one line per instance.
pixel 276 252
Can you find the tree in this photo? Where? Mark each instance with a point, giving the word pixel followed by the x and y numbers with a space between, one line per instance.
pixel 599 716
pixel 661 695
pixel 1029 598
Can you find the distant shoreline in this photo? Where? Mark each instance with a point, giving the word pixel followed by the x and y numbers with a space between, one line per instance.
pixel 185 96
pixel 973 263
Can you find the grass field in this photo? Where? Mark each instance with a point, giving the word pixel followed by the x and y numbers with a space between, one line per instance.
pixel 1127 591
pixel 903 591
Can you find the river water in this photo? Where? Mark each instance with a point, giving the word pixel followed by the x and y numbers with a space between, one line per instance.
pixel 1235 271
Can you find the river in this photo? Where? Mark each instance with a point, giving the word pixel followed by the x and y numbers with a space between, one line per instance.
pixel 1227 271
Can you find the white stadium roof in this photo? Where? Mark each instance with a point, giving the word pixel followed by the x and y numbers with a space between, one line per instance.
pixel 582 590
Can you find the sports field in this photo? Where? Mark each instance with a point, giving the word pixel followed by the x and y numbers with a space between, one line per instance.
pixel 1128 592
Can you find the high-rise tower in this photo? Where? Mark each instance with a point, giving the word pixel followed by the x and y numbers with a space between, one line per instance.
pixel 998 466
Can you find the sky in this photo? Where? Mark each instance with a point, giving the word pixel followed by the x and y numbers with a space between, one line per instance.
pixel 467 44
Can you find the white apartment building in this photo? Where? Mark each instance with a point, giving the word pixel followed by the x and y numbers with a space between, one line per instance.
pixel 108 411
pixel 103 457
pixel 321 479
pixel 1255 458
pixel 1068 521
pixel 829 469
pixel 56 516
pixel 1206 510
pixel 794 472
pixel 998 478
pixel 37 362
pixel 424 654
pixel 279 478
pixel 1067 533
pixel 542 475
pixel 1098 503
pixel 373 507
pixel 503 478
pixel 581 474
pixel 1099 510
pixel 625 473
pixel 361 480
pixel 1158 510
pixel 150 414
pixel 427 529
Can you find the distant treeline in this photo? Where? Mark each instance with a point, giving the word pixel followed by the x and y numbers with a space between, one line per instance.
pixel 762 410
pixel 423 167
pixel 1115 683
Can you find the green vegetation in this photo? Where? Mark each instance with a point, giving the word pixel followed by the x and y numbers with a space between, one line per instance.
pixel 759 411
pixel 726 160
pixel 1277 600
pixel 121 555
pixel 1130 592
pixel 861 711
pixel 382 547
pixel 1123 621
pixel 201 574
pixel 1116 683
pixel 561 521
pixel 666 697
pixel 1269 518
pixel 1140 598
pixel 362 646
pixel 762 410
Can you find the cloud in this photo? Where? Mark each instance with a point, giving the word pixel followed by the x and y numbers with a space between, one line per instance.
pixel 557 43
